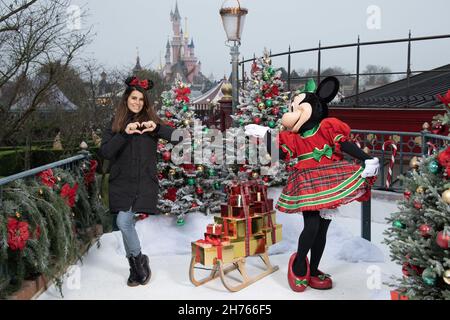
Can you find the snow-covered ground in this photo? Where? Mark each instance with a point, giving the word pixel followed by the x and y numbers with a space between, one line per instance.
pixel 359 268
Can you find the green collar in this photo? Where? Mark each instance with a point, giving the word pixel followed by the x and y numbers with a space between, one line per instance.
pixel 310 132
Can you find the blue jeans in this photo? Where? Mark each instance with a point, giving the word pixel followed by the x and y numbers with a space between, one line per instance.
pixel 126 223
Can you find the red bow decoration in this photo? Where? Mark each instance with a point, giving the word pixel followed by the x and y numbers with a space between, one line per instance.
pixel 182 94
pixel 171 194
pixel 89 177
pixel 144 84
pixel 17 234
pixel 445 99
pixel 444 160
pixel 47 178
pixel 69 194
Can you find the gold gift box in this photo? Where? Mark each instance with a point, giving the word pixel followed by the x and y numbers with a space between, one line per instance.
pixel 265 217
pixel 207 254
pixel 236 227
pixel 268 234
pixel 257 244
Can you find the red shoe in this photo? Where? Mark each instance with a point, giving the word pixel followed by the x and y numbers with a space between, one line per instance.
pixel 322 281
pixel 298 284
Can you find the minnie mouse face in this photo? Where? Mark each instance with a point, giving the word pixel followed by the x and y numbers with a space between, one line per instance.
pixel 308 109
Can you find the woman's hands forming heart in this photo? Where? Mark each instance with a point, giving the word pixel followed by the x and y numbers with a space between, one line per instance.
pixel 140 128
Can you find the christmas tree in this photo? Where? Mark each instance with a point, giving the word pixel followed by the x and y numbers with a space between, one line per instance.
pixel 191 182
pixel 420 234
pixel 264 103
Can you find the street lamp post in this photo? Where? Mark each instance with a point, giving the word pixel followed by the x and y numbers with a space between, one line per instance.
pixel 233 17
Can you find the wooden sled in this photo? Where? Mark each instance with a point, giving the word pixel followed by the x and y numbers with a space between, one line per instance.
pixel 221 269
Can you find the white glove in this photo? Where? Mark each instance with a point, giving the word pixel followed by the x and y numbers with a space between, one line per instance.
pixel 371 168
pixel 256 130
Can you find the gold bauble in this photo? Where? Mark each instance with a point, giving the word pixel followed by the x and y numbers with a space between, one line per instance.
pixel 262 106
pixel 446 276
pixel 200 168
pixel 41 192
pixel 366 150
pixel 414 163
pixel 186 122
pixel 446 196
pixel 172 172
pixel 18 215
pixel 419 189
pixel 255 175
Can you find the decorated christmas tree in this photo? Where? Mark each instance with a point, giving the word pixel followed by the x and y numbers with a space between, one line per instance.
pixel 420 234
pixel 191 182
pixel 263 102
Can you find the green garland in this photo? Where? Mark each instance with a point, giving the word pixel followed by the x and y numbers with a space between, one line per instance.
pixel 57 232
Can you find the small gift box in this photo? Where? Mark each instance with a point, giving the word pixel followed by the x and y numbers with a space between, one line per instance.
pixel 257 245
pixel 214 229
pixel 395 295
pixel 207 254
pixel 236 228
pixel 235 211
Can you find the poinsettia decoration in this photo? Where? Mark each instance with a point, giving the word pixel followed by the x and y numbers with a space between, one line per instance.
pixel 47 178
pixel 89 177
pixel 18 234
pixel 182 94
pixel 445 99
pixel 444 160
pixel 69 194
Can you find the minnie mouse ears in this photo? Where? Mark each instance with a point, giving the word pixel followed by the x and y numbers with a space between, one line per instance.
pixel 328 89
pixel 145 84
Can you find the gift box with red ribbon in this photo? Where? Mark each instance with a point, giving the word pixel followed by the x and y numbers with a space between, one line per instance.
pixel 396 295
pixel 214 229
pixel 207 254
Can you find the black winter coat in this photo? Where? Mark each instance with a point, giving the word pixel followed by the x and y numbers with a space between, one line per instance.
pixel 133 181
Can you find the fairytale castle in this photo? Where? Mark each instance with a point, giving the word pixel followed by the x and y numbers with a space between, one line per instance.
pixel 180 57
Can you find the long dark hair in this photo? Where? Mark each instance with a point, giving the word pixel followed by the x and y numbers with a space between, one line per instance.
pixel 123 115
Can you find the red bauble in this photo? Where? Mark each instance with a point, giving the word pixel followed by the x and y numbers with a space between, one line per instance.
pixel 258 100
pixel 425 230
pixel 194 205
pixel 166 155
pixel 407 194
pixel 169 114
pixel 160 146
pixel 266 179
pixel 416 269
pixel 171 194
pixel 171 124
pixel 160 176
pixel 199 191
pixel 242 169
pixel 275 111
pixel 257 120
pixel 417 204
pixel 443 239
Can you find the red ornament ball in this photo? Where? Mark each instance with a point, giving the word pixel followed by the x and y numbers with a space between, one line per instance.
pixel 407 194
pixel 166 155
pixel 199 191
pixel 266 179
pixel 194 205
pixel 417 204
pixel 169 114
pixel 257 120
pixel 275 111
pixel 425 230
pixel 443 239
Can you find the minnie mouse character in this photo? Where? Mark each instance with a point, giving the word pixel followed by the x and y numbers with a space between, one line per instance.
pixel 320 180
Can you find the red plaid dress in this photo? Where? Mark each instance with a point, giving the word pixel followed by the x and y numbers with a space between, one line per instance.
pixel 321 179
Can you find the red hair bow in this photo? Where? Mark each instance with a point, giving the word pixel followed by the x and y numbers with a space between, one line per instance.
pixel 139 83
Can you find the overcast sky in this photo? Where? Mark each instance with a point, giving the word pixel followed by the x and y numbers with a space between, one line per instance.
pixel 121 26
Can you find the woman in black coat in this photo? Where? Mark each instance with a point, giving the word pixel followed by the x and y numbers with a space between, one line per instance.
pixel 130 145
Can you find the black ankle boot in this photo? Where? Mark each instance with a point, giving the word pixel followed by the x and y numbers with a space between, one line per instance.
pixel 141 267
pixel 133 278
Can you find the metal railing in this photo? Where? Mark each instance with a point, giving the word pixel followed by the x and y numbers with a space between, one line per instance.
pixel 408 145
pixel 408 72
pixel 68 163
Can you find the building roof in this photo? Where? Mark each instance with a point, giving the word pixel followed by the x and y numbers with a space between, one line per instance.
pixel 210 96
pixel 423 89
